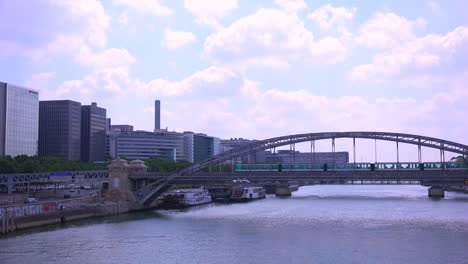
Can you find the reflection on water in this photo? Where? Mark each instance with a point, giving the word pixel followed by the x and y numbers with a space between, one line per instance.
pixel 318 224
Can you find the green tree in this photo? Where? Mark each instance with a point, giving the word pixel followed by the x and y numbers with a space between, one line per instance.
pixel 458 159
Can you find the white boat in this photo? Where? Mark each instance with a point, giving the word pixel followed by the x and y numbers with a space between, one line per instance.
pixel 180 198
pixel 247 193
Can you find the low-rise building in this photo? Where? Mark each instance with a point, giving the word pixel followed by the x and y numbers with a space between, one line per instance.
pixel 144 145
pixel 200 146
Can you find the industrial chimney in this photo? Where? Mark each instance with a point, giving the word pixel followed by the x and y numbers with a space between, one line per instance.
pixel 157 115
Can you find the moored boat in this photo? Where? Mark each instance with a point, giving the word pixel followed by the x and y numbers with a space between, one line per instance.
pixel 181 198
pixel 220 193
pixel 247 193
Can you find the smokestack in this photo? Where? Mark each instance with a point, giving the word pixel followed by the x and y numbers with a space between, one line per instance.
pixel 157 115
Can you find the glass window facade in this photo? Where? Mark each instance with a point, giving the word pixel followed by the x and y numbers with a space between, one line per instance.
pixel 143 145
pixel 21 121
pixel 93 133
pixel 60 129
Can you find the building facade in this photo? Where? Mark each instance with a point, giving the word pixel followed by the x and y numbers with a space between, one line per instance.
pixel 296 157
pixel 122 128
pixel 199 146
pixel 144 145
pixel 111 148
pixel 188 146
pixel 19 120
pixel 228 144
pixel 60 129
pixel 93 133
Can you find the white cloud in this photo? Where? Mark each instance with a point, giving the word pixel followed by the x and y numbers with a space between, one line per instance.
pixel 83 26
pixel 123 18
pixel 416 57
pixel 258 40
pixel 387 30
pixel 111 57
pixel 213 81
pixel 434 6
pixel 152 6
pixel 102 82
pixel 328 18
pixel 92 14
pixel 209 11
pixel 292 6
pixel 41 82
pixel 177 39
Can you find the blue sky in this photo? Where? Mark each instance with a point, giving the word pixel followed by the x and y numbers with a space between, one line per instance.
pixel 252 69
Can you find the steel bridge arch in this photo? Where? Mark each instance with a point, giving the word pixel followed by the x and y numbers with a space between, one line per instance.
pixel 150 191
pixel 423 141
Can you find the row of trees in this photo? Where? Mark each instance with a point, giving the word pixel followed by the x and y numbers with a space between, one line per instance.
pixel 458 159
pixel 27 164
pixel 165 165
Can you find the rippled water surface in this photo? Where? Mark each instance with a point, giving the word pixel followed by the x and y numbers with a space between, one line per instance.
pixel 318 224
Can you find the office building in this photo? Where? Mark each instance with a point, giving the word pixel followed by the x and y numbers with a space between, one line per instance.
pixel 111 148
pixel 108 125
pixel 19 120
pixel 228 144
pixel 60 129
pixel 122 128
pixel 93 133
pixel 111 139
pixel 144 144
pixel 199 146
pixel 188 146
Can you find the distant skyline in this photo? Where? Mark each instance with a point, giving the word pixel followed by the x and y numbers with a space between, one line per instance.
pixel 251 69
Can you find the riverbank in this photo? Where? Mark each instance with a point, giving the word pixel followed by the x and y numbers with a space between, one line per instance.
pixel 24 216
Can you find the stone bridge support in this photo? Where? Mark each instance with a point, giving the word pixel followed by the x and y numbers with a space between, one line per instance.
pixel 283 190
pixel 119 184
pixel 436 192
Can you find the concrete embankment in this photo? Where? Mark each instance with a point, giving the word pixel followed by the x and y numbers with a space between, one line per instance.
pixel 25 216
pixel 100 210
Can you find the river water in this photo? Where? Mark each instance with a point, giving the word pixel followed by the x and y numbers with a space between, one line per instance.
pixel 318 224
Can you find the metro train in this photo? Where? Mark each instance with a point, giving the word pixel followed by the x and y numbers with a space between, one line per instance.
pixel 353 166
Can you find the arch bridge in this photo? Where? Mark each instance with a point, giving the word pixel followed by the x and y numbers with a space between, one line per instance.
pixel 444 175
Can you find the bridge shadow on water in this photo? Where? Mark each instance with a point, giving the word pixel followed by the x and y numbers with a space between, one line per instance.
pixel 363 197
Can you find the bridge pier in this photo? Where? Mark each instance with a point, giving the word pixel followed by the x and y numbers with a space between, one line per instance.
pixel 283 190
pixel 119 184
pixel 436 192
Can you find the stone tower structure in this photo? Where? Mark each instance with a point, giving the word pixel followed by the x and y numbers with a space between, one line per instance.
pixel 120 187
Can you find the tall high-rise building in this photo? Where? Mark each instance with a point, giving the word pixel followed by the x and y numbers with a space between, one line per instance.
pixel 60 129
pixel 93 133
pixel 108 125
pixel 19 120
pixel 157 115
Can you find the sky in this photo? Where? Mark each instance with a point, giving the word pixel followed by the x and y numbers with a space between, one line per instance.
pixel 251 69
